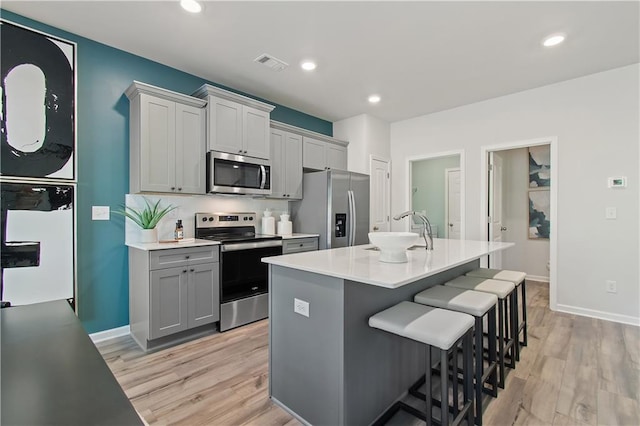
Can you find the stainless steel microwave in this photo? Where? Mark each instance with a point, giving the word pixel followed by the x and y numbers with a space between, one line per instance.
pixel 237 174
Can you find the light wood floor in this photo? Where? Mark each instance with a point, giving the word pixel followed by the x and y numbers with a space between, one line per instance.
pixel 575 371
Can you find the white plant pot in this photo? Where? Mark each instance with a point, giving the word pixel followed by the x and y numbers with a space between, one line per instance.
pixel 149 235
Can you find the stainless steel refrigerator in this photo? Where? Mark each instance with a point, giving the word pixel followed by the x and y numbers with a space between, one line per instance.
pixel 335 205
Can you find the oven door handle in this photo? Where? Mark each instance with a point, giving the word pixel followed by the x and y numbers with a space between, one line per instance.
pixel 249 246
pixel 263 176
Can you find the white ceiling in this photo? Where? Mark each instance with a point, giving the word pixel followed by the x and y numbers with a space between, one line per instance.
pixel 421 57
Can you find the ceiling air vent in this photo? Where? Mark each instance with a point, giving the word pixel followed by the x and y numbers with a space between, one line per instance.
pixel 271 62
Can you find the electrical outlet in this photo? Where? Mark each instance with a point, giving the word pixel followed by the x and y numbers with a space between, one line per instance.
pixel 301 307
pixel 611 286
pixel 100 212
pixel 611 213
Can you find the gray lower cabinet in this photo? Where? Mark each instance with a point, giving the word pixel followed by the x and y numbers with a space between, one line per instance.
pixel 172 291
pixel 298 245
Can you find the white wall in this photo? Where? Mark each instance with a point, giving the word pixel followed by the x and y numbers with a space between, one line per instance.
pixel 367 135
pixel 529 255
pixel 595 120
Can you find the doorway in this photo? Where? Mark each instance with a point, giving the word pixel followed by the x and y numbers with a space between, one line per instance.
pixel 519 189
pixel 436 189
pixel 379 199
pixel 452 212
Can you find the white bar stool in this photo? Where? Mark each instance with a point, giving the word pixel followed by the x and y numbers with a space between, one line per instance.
pixel 443 330
pixel 477 304
pixel 519 279
pixel 504 290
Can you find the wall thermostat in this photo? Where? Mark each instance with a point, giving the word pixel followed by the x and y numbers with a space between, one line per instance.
pixel 617 182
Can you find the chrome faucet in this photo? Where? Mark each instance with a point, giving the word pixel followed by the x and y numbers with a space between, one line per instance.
pixel 426 226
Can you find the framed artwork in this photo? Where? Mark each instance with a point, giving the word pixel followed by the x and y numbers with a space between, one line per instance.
pixel 37 242
pixel 38 117
pixel 540 166
pixel 539 214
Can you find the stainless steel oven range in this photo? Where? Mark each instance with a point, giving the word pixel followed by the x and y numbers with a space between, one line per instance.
pixel 243 277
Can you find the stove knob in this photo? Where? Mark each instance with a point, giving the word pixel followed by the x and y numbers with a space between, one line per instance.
pixel 204 219
pixel 250 217
pixel 210 218
pixel 246 218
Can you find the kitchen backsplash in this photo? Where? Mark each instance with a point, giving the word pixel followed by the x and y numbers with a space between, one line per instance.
pixel 188 206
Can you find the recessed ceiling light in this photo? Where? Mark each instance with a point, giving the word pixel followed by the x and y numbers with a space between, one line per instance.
pixel 553 40
pixel 191 6
pixel 308 65
pixel 374 99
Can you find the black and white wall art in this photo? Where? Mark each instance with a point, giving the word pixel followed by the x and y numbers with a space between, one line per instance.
pixel 38 89
pixel 540 166
pixel 37 242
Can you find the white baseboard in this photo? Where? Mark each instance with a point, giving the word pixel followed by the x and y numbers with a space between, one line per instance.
pixel 624 319
pixel 537 278
pixel 101 336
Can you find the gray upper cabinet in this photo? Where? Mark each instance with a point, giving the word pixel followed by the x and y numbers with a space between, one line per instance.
pixel 167 141
pixel 236 124
pixel 286 164
pixel 336 156
pixel 324 154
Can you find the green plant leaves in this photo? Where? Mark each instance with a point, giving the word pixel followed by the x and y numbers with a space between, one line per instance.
pixel 148 217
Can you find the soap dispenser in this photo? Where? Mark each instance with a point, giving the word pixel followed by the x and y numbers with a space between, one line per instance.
pixel 178 234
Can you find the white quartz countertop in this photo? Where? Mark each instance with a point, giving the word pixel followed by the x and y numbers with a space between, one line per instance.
pixel 361 264
pixel 186 243
pixel 294 236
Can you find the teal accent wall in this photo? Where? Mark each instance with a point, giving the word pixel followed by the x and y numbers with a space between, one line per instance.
pixel 103 74
pixel 428 184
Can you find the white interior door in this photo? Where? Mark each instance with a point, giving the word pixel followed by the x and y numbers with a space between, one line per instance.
pixel 453 204
pixel 379 194
pixel 495 206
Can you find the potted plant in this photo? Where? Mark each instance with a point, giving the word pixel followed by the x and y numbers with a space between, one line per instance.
pixel 147 218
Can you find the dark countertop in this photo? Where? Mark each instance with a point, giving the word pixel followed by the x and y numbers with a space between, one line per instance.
pixel 52 373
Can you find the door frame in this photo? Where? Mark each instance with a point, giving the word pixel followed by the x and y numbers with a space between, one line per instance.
pixel 446 198
pixel 373 157
pixel 409 187
pixel 552 141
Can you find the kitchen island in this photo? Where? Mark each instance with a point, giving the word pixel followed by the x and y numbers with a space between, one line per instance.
pixel 326 365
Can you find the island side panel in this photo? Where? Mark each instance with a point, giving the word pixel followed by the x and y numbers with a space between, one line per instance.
pixel 379 366
pixel 306 353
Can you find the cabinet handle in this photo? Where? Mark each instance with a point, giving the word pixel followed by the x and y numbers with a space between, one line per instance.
pixel 173 188
pixel 240 152
pixel 301 244
pixel 192 270
pixel 184 271
pixel 245 151
pixel 186 257
pixel 179 189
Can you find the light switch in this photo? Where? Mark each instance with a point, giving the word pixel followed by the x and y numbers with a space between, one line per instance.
pixel 100 212
pixel 611 213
